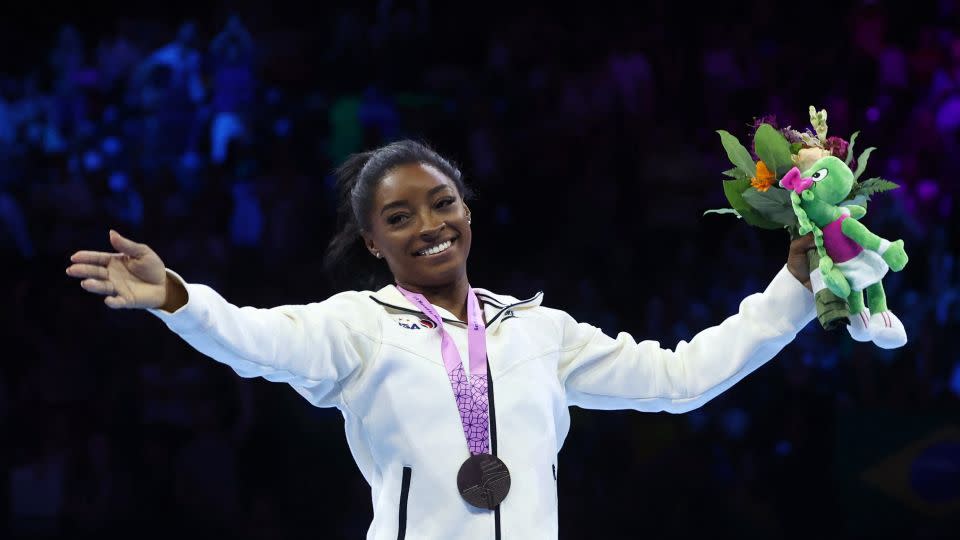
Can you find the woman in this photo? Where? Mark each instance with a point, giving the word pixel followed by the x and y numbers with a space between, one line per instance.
pixel 447 455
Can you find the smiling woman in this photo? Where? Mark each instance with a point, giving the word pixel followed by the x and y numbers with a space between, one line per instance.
pixel 421 226
pixel 384 195
pixel 455 398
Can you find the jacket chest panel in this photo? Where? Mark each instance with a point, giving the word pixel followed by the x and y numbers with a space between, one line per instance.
pixel 408 402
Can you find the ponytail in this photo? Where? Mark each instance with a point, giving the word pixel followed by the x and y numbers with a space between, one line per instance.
pixel 347 261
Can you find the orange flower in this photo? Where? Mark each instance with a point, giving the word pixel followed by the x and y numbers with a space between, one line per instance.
pixel 764 178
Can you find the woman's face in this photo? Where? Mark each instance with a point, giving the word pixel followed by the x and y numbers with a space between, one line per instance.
pixel 420 225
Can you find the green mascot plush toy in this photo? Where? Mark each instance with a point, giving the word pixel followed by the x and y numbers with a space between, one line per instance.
pixel 806 182
pixel 852 259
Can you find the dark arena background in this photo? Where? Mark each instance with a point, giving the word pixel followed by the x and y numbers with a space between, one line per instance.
pixel 209 131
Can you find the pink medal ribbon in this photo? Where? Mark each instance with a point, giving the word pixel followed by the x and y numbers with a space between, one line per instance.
pixel 470 390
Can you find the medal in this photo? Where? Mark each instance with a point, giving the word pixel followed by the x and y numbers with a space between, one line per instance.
pixel 483 480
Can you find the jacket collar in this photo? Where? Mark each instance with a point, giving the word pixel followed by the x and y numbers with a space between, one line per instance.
pixel 496 307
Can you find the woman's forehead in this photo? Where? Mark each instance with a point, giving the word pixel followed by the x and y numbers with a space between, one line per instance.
pixel 411 179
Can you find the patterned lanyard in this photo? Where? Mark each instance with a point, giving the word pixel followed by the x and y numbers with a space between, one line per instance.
pixel 470 390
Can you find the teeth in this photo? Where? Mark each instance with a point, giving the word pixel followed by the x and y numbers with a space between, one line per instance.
pixel 436 249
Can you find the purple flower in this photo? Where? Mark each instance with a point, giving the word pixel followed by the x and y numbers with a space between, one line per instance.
pixel 837 147
pixel 792 135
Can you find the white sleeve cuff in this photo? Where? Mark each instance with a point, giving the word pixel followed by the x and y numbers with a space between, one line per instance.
pixel 793 301
pixel 188 316
pixel 816 281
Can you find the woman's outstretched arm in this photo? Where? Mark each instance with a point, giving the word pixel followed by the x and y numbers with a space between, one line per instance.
pixel 602 372
pixel 314 347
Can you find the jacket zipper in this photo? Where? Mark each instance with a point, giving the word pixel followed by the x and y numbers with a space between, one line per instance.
pixel 556 489
pixel 493 442
pixel 404 495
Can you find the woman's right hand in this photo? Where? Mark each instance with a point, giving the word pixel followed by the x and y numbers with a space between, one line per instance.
pixel 133 278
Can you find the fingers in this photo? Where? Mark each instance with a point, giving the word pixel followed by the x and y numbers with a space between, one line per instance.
pixel 87 271
pixel 115 302
pixel 99 286
pixel 804 243
pixel 127 246
pixel 98 258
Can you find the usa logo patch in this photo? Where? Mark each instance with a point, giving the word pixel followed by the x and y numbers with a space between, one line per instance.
pixel 414 323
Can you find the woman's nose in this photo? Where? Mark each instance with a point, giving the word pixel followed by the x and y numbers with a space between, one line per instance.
pixel 431 227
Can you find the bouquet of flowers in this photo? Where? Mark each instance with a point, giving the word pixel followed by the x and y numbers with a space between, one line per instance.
pixel 806 181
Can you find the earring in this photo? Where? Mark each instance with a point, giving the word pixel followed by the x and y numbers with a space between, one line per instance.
pixel 377 254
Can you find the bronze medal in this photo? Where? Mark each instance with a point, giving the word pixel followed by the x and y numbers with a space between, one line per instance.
pixel 483 481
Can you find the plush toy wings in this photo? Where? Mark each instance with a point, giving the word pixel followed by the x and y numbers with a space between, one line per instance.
pixel 818 192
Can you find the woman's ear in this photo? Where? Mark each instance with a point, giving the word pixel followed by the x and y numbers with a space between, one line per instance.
pixel 467 211
pixel 371 246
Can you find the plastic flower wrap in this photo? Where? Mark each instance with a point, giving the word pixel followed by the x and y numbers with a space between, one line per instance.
pixel 771 183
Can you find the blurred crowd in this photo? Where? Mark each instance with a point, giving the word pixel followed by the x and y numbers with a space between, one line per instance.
pixel 589 139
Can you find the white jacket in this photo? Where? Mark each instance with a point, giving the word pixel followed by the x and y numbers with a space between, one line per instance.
pixel 367 354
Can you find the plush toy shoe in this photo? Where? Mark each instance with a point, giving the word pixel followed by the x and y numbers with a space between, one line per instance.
pixel 859 326
pixel 888 331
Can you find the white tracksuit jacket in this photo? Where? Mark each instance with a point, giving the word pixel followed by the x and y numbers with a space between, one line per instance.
pixel 367 354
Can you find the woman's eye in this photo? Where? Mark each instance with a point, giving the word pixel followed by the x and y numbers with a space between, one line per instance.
pixel 819 175
pixel 447 201
pixel 396 219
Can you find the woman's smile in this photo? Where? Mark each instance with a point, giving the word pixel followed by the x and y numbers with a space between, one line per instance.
pixel 437 249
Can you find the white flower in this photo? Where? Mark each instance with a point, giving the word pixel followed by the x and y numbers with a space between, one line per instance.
pixel 819 122
pixel 808 156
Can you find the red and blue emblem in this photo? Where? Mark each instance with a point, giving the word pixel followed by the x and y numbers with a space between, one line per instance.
pixel 411 322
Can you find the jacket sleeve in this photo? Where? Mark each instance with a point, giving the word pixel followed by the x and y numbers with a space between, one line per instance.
pixel 600 372
pixel 316 348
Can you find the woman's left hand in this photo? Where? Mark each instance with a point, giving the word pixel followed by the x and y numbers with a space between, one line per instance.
pixel 797 261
